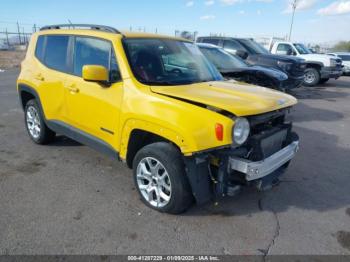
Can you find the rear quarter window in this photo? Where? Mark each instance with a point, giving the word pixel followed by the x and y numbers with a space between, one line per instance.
pixel 39 49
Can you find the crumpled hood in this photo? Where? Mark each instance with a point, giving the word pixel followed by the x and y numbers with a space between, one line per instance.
pixel 237 98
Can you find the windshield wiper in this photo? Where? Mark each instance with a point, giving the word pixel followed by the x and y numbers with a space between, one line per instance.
pixel 159 83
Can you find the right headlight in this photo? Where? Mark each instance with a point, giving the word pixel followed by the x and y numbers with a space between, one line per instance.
pixel 241 131
pixel 285 66
pixel 333 62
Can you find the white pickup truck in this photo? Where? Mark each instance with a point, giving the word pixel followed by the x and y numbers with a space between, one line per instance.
pixel 320 68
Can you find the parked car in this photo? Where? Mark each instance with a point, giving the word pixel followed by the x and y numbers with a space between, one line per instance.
pixel 156 103
pixel 255 54
pixel 345 57
pixel 233 67
pixel 320 67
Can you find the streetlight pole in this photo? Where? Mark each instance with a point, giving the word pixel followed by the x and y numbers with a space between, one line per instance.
pixel 294 6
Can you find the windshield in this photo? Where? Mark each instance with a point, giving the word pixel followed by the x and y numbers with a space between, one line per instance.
pixel 223 60
pixel 253 47
pixel 303 50
pixel 345 57
pixel 168 62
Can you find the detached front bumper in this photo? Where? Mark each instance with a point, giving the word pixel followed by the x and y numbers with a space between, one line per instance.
pixel 331 72
pixel 261 169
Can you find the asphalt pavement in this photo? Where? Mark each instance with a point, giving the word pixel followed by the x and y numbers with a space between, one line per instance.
pixel 66 198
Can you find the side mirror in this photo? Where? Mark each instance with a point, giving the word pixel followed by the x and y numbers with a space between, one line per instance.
pixel 242 54
pixel 95 73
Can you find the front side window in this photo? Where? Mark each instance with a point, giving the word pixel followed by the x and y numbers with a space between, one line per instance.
pixel 223 60
pixel 56 52
pixel 345 57
pixel 168 62
pixel 284 49
pixel 90 51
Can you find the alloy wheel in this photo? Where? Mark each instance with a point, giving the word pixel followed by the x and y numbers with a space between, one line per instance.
pixel 153 182
pixel 33 122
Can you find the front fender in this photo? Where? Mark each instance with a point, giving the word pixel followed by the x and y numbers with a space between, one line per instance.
pixel 137 124
pixel 191 127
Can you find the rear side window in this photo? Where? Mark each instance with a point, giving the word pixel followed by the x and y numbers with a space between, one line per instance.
pixel 56 52
pixel 232 45
pixel 39 49
pixel 211 41
pixel 91 51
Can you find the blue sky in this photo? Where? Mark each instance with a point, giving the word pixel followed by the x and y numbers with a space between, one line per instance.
pixel 316 20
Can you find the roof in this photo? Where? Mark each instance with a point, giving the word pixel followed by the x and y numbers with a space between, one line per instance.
pixel 127 34
pixel 224 37
pixel 209 46
pixel 85 29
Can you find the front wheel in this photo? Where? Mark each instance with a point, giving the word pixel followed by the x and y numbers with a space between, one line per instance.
pixel 312 77
pixel 160 178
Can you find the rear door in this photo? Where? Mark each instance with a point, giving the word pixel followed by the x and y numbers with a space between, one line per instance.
pixel 52 55
pixel 94 107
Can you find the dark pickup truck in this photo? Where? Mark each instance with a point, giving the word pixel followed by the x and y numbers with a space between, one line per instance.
pixel 255 54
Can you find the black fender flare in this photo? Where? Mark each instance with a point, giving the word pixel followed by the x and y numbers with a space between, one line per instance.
pixel 25 88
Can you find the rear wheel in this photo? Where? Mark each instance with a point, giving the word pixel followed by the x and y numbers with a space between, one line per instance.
pixel 35 125
pixel 312 77
pixel 161 179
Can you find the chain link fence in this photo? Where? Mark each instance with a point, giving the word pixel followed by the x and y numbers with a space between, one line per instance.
pixel 15 36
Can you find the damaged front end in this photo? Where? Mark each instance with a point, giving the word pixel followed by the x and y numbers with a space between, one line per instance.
pixel 259 162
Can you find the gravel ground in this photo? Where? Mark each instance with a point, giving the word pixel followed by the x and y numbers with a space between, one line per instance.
pixel 11 59
pixel 68 199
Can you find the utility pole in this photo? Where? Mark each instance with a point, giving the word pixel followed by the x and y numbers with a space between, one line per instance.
pixel 294 6
pixel 19 34
pixel 7 38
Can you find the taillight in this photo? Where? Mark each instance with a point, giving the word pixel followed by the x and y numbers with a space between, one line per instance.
pixel 219 132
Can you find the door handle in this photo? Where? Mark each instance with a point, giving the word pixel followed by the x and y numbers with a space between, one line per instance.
pixel 73 89
pixel 39 77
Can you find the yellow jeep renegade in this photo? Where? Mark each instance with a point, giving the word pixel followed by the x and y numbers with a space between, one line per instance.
pixel 157 104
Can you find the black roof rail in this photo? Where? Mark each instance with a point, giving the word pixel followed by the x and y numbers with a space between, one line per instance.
pixel 88 26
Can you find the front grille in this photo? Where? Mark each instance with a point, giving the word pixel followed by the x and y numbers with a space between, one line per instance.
pixel 339 64
pixel 268 134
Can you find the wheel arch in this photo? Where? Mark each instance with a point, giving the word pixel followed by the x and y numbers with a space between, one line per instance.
pixel 316 65
pixel 27 93
pixel 138 133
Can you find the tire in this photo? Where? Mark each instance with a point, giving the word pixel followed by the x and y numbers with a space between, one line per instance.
pixel 312 77
pixel 324 80
pixel 35 124
pixel 166 188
